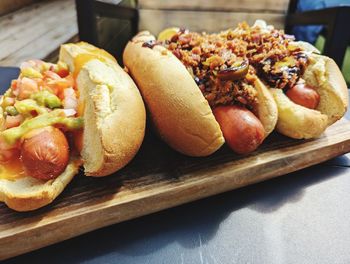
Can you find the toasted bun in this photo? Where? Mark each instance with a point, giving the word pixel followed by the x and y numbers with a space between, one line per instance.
pixel 178 109
pixel 114 112
pixel 267 108
pixel 300 122
pixel 323 74
pixel 27 193
pixel 296 121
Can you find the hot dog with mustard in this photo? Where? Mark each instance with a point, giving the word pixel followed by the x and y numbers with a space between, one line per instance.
pixel 56 117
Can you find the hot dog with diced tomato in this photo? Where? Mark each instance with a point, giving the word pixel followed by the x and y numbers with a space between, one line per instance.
pixel 56 117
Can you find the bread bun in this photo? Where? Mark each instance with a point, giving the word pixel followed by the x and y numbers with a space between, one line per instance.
pixel 266 108
pixel 114 112
pixel 324 74
pixel 300 122
pixel 27 193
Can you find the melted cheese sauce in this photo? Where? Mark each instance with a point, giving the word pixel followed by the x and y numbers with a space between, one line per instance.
pixel 12 170
pixel 81 108
pixel 91 54
pixel 80 60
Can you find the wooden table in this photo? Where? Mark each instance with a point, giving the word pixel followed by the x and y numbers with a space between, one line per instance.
pixel 301 217
pixel 36 31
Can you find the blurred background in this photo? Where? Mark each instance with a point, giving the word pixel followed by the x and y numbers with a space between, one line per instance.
pixel 36 28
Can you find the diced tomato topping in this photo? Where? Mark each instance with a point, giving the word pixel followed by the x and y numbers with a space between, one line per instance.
pixel 54 83
pixel 26 87
pixel 14 84
pixel 13 121
pixel 63 73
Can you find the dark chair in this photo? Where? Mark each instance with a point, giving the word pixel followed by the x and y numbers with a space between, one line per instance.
pixel 336 21
pixel 89 10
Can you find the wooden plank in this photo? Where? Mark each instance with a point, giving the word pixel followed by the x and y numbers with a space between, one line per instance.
pixel 43 46
pixel 36 31
pixel 157 20
pixel 224 5
pixel 16 23
pixel 7 6
pixel 159 178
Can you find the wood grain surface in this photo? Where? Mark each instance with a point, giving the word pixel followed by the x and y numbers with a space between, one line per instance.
pixel 156 20
pixel 208 15
pixel 36 31
pixel 7 6
pixel 159 178
pixel 232 5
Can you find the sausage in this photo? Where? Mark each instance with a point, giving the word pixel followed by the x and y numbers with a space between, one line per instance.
pixel 8 152
pixel 45 153
pixel 242 130
pixel 304 95
pixel 78 137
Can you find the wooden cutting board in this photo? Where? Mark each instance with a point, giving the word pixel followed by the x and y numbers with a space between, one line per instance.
pixel 156 179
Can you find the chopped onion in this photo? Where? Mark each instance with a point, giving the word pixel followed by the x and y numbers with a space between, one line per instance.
pixel 69 112
pixel 287 36
pixel 70 99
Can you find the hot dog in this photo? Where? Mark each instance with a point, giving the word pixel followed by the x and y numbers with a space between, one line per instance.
pixel 45 153
pixel 242 130
pixel 309 89
pixel 199 93
pixel 56 117
pixel 304 95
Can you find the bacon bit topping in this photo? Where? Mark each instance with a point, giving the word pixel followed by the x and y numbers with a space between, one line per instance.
pixel 214 66
pixel 220 62
pixel 277 61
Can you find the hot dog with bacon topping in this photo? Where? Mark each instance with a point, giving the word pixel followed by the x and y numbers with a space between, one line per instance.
pixel 309 89
pixel 231 69
pixel 199 92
